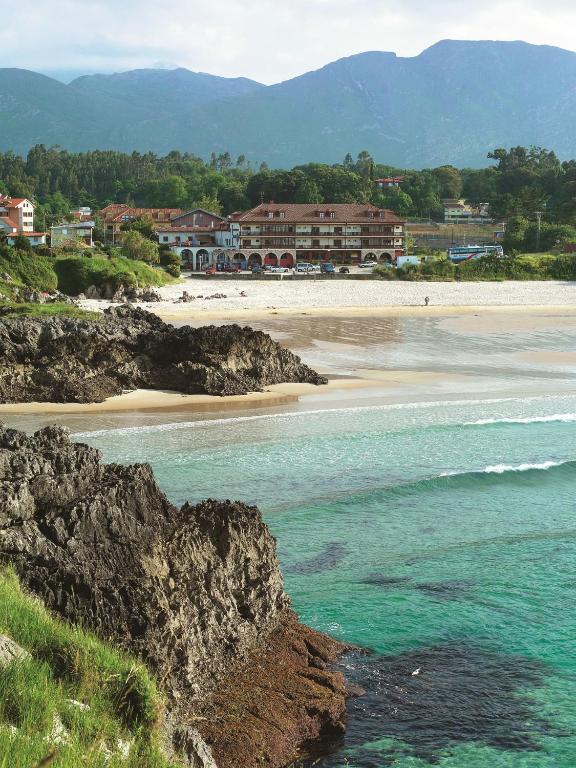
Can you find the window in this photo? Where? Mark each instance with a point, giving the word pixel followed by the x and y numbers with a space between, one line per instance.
pixel 332 215
pixel 270 214
pixel 321 214
pixel 282 214
pixel 165 238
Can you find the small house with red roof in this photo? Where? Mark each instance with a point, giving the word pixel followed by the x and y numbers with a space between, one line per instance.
pixel 17 218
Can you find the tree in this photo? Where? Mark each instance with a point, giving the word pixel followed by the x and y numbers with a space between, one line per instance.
pixel 137 247
pixel 208 203
pixel 143 224
pixel 449 181
pixel 22 243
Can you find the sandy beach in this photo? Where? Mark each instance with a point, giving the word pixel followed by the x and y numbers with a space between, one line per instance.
pixel 372 341
pixel 362 297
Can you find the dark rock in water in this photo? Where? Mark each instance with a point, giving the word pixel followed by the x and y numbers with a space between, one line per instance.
pixel 435 698
pixel 381 580
pixel 446 590
pixel 62 360
pixel 196 592
pixel 325 561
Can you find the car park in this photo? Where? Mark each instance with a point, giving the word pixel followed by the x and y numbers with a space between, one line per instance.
pixel 327 268
pixel 279 269
pixel 303 266
pixel 231 268
pixel 257 270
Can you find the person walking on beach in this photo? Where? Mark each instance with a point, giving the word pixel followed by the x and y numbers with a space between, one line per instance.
pixel 426 300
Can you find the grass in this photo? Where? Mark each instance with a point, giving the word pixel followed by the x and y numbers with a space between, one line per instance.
pixel 11 309
pixel 69 664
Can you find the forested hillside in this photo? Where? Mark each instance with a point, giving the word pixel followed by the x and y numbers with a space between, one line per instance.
pixel 516 183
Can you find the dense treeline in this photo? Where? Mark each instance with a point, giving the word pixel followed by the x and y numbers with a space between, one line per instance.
pixel 517 184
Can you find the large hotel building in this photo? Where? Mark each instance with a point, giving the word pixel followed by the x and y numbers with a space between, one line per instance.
pixel 282 234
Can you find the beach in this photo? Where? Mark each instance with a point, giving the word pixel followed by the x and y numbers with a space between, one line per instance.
pixel 362 297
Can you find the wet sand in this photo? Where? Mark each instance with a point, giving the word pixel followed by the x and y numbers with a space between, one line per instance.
pixel 143 400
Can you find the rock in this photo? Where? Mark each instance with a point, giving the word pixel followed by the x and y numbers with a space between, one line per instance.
pixel 11 651
pixel 58 734
pixel 30 296
pixel 195 592
pixel 185 743
pixel 185 298
pixel 78 705
pixel 59 359
pixel 149 295
pixel 92 292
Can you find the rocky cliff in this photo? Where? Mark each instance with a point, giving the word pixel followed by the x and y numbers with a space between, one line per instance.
pixel 196 592
pixel 82 361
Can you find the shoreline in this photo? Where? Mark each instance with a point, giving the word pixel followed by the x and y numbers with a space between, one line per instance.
pixel 399 310
pixel 157 401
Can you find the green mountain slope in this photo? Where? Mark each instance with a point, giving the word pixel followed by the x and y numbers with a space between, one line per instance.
pixel 166 91
pixel 451 104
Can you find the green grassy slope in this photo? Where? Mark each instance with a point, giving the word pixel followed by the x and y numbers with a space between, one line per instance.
pixel 106 702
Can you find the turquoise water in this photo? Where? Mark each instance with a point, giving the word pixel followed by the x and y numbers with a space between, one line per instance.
pixel 441 536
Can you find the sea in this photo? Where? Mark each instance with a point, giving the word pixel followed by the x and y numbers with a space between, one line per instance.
pixel 431 524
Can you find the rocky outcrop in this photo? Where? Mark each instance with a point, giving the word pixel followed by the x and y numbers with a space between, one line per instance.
pixel 118 293
pixel 62 359
pixel 10 652
pixel 196 592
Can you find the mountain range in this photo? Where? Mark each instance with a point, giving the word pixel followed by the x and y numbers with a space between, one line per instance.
pixel 453 103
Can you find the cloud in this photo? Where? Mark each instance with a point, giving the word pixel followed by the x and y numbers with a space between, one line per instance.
pixel 263 39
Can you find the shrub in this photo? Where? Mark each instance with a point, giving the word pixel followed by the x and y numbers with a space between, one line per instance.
pixel 76 273
pixel 136 246
pixel 28 268
pixel 563 267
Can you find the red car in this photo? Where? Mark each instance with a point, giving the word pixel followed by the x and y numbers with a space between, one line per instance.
pixel 211 271
pixel 231 268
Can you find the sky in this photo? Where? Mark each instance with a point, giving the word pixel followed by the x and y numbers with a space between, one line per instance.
pixel 266 40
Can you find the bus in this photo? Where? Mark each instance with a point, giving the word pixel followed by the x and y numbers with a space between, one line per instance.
pixel 460 253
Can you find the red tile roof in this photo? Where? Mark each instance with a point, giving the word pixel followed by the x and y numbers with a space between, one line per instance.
pixel 115 212
pixel 347 213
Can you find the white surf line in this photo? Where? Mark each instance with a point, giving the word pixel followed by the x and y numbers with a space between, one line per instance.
pixel 565 418
pixel 501 469
pixel 206 423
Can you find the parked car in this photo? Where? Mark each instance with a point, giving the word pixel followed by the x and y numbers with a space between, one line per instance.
pixel 303 266
pixel 231 268
pixel 279 269
pixel 327 268
pixel 211 271
pixel 344 271
pixel 368 264
pixel 257 269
